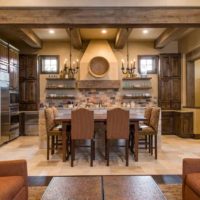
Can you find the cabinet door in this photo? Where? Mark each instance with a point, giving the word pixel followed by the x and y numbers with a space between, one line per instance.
pixel 31 67
pixel 4 57
pixel 167 123
pixel 14 78
pixel 31 91
pixel 165 66
pixel 175 62
pixel 165 93
pixel 22 91
pixel 13 57
pixel 176 90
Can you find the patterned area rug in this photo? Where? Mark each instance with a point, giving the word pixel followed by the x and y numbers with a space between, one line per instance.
pixel 171 191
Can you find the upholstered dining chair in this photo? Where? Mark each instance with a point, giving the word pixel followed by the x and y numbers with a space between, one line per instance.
pixel 117 128
pixel 53 131
pixel 151 130
pixel 82 128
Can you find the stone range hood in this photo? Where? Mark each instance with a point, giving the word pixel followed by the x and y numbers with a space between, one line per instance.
pixel 99 48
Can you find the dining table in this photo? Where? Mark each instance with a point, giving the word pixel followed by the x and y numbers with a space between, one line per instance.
pixel 65 119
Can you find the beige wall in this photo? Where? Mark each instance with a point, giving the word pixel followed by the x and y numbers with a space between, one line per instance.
pixel 185 45
pixel 197 83
pixel 61 48
pixel 69 3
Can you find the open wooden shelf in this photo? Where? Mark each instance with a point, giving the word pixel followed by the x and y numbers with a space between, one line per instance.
pixel 60 88
pixel 136 79
pixel 137 97
pixel 60 79
pixel 61 97
pixel 137 88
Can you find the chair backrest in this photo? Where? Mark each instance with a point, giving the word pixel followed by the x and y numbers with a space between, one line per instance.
pixel 82 124
pixel 55 111
pixel 49 118
pixel 147 114
pixel 154 119
pixel 118 124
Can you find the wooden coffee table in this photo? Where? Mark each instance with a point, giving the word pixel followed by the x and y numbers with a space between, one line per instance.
pixel 103 188
pixel 131 188
pixel 74 188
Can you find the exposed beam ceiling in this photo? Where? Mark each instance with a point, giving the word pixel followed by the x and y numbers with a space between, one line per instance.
pixel 30 38
pixel 75 38
pixel 169 35
pixel 122 37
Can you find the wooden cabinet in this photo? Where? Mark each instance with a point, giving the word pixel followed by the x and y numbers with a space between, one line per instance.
pixel 183 124
pixel 177 123
pixel 170 82
pixel 4 56
pixel 14 68
pixel 29 87
pixel 167 123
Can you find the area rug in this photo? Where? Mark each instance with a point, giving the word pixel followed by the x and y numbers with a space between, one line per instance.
pixel 171 191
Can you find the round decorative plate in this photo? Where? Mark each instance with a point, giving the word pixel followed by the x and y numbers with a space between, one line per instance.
pixel 99 66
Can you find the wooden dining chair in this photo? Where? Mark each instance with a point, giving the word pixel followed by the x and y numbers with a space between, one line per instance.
pixel 82 128
pixel 52 130
pixel 117 128
pixel 151 130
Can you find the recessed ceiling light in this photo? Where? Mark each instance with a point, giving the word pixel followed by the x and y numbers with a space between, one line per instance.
pixel 103 31
pixel 145 31
pixel 51 31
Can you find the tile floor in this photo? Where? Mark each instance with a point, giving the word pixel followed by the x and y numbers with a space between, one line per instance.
pixel 173 150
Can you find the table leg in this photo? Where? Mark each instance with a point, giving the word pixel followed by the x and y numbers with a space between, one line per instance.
pixel 64 141
pixel 136 138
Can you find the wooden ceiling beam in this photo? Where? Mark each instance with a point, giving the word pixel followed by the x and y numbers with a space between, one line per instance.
pixel 122 37
pixel 30 38
pixel 168 36
pixel 75 38
pixel 101 16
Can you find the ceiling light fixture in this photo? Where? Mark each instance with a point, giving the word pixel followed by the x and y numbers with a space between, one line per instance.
pixel 51 31
pixel 145 31
pixel 103 31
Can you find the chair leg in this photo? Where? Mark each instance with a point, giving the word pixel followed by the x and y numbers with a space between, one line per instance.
pixel 127 153
pixel 48 140
pixel 146 142
pixel 156 147
pixel 94 150
pixel 92 153
pixel 52 144
pixel 56 142
pixel 72 152
pixel 149 143
pixel 108 149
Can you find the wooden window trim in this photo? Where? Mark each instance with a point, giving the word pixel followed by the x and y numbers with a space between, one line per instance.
pixel 155 68
pixel 41 57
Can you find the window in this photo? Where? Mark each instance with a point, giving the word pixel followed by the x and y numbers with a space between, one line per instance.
pixel 147 64
pixel 49 64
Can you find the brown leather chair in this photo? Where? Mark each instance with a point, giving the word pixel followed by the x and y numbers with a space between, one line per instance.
pixel 117 128
pixel 13 180
pixel 53 131
pixel 82 128
pixel 191 179
pixel 151 130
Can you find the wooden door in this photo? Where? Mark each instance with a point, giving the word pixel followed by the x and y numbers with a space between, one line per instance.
pixel 176 93
pixel 167 123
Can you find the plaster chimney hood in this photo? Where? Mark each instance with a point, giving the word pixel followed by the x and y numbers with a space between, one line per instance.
pixel 99 48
